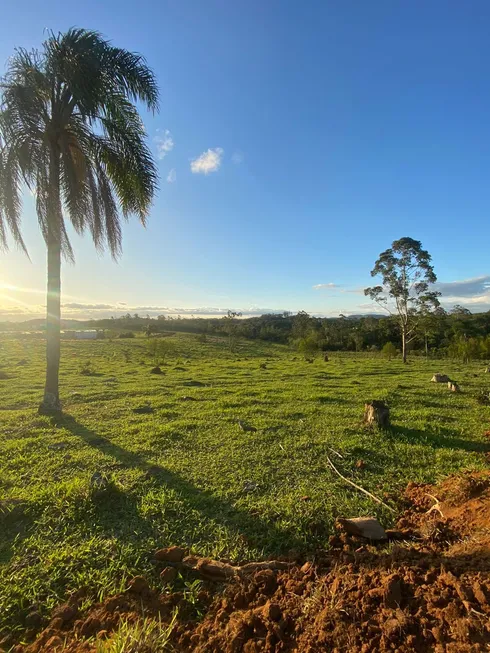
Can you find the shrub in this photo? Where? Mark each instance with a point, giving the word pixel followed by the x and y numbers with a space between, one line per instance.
pixel 159 350
pixel 308 345
pixel 87 369
pixel 126 334
pixel 389 350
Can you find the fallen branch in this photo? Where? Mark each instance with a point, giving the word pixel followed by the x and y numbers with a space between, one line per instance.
pixel 335 452
pixel 436 506
pixel 358 487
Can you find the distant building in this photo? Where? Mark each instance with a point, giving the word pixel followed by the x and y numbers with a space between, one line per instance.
pixel 86 335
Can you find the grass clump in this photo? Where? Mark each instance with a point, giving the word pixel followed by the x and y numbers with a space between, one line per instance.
pixel 144 636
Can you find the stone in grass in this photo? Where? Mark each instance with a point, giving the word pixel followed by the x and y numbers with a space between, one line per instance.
pixel 377 413
pixel 141 410
pixel 246 427
pixel 367 527
pixel 440 378
pixel 249 486
pixel 98 481
pixel 194 384
pixel 156 370
pixel 170 554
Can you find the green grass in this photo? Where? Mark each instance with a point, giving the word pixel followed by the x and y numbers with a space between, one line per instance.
pixel 187 474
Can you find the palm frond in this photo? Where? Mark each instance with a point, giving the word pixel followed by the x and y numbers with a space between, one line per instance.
pixel 69 129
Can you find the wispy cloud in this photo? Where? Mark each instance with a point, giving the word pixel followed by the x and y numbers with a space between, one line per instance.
pixel 172 176
pixel 325 286
pixel 94 307
pixel 465 288
pixel 164 143
pixel 208 161
pixel 237 157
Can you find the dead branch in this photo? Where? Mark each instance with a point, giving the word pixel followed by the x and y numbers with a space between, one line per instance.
pixel 358 487
pixel 436 506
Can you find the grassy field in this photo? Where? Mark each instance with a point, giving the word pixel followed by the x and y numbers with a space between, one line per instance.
pixel 186 473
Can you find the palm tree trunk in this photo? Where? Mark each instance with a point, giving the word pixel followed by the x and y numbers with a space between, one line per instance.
pixel 51 402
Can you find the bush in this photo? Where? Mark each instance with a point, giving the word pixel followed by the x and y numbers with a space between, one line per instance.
pixel 87 369
pixel 159 350
pixel 126 334
pixel 389 350
pixel 308 345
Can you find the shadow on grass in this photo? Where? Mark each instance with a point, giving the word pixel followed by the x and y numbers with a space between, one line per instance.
pixel 16 521
pixel 262 534
pixel 444 439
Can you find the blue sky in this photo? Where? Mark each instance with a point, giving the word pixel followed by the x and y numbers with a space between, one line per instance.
pixel 327 130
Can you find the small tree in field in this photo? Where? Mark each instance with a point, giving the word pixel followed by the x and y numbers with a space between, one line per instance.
pixel 231 328
pixel 389 350
pixel 308 346
pixel 406 272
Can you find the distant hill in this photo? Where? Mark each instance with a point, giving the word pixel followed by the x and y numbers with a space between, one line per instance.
pixel 39 323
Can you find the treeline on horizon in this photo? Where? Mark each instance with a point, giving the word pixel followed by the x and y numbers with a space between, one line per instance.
pixel 457 333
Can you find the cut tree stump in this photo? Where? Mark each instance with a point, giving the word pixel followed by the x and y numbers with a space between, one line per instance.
pixel 453 387
pixel 378 413
pixel 367 527
pixel 440 378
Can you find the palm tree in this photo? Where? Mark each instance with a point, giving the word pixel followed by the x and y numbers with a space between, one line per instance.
pixel 70 131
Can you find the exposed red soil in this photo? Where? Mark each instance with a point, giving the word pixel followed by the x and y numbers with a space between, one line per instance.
pixel 430 591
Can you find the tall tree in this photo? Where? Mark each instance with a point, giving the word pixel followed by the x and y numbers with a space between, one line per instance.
pixel 407 274
pixel 70 130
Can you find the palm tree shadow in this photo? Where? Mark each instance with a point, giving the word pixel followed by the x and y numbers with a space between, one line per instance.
pixel 16 521
pixel 258 532
pixel 443 439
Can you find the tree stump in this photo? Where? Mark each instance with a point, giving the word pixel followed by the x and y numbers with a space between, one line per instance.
pixel 377 413
pixel 368 527
pixel 453 387
pixel 440 378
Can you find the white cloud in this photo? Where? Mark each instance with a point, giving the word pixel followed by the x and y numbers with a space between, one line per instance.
pixel 172 176
pixel 208 161
pixel 237 157
pixel 325 286
pixel 164 143
pixel 465 288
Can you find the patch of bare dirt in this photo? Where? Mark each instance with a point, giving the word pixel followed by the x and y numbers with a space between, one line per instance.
pixel 429 590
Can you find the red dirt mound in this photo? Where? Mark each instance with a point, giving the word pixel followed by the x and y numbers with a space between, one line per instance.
pixel 428 592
